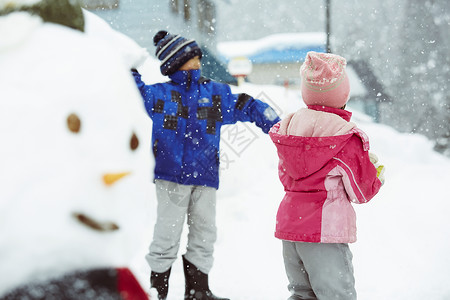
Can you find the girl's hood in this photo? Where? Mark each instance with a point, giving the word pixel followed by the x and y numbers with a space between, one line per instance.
pixel 303 156
pixel 308 139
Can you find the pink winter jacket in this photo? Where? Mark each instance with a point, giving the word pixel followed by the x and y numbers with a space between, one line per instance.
pixel 324 166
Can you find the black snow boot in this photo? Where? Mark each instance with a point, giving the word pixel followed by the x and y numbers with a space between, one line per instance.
pixel 160 281
pixel 197 286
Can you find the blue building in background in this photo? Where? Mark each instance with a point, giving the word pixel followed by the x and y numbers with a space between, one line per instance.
pixel 276 59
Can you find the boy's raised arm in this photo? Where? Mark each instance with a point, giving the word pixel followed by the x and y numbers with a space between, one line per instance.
pixel 146 92
pixel 249 109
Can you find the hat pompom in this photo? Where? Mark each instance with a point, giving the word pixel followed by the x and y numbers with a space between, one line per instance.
pixel 159 36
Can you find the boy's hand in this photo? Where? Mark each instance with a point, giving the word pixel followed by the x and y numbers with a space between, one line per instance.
pixel 136 58
pixel 380 168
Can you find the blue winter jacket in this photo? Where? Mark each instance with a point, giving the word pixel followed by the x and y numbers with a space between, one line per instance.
pixel 187 114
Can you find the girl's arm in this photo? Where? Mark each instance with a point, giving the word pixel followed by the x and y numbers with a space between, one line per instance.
pixel 359 175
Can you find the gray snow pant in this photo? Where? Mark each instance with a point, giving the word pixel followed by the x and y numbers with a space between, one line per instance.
pixel 319 271
pixel 175 202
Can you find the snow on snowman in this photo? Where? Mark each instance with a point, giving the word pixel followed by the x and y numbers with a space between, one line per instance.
pixel 74 160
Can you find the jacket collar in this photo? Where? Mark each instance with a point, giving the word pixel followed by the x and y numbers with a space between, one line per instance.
pixel 344 114
pixel 186 78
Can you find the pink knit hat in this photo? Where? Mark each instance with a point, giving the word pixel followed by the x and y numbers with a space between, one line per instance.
pixel 324 80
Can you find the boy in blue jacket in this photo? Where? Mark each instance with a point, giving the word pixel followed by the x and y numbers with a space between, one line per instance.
pixel 187 114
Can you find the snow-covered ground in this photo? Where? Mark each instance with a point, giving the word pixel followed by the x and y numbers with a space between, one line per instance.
pixel 403 247
pixel 402 252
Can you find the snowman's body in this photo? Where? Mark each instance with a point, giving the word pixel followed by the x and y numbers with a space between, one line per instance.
pixel 74 179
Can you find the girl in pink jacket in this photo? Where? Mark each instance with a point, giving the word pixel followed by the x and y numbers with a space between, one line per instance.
pixel 324 167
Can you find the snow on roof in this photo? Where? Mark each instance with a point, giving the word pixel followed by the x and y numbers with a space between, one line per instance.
pixel 280 47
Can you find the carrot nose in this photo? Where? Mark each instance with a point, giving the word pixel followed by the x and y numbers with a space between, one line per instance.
pixel 110 178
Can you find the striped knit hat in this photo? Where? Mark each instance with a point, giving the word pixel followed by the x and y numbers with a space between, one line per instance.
pixel 174 51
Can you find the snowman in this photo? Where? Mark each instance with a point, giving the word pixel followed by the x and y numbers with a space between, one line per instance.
pixel 75 192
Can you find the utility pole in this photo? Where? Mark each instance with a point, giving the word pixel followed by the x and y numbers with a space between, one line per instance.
pixel 327 24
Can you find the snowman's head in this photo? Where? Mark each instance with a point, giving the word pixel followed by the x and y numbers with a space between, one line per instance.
pixel 74 161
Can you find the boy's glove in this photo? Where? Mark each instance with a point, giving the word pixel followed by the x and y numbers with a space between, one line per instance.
pixel 378 166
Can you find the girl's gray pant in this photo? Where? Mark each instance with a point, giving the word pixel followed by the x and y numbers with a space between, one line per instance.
pixel 175 202
pixel 319 271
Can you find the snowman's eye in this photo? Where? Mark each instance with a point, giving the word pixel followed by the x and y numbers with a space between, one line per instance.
pixel 134 142
pixel 73 123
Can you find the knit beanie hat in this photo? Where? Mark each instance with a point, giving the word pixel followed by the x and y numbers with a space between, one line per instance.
pixel 174 51
pixel 324 80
